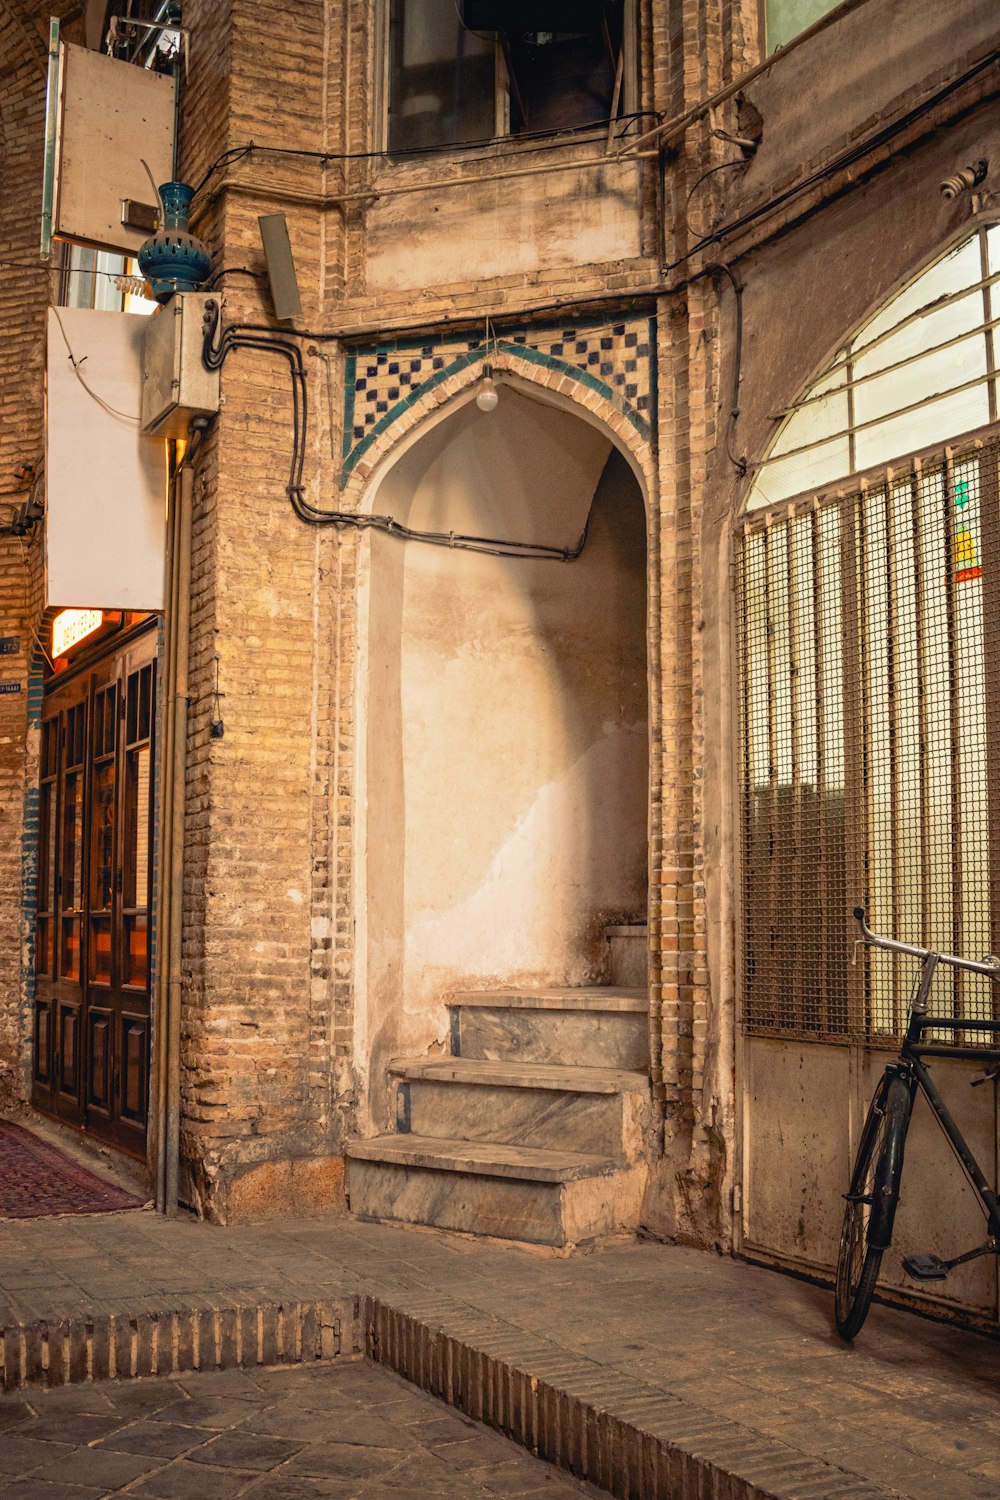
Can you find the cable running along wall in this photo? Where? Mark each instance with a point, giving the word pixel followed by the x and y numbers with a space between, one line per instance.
pixel 870 743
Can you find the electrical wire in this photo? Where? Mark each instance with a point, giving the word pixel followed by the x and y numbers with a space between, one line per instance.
pixel 232 271
pixel 740 464
pixel 540 140
pixel 845 159
pixel 220 342
pixel 739 161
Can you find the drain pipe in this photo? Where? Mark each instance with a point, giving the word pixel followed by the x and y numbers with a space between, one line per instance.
pixel 163 845
pixel 175 699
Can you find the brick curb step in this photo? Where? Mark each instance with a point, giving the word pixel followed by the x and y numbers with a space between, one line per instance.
pixel 129 1345
pixel 631 1439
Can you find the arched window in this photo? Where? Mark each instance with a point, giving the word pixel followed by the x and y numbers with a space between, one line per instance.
pixel 922 370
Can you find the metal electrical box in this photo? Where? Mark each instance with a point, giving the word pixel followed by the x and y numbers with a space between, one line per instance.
pixel 176 386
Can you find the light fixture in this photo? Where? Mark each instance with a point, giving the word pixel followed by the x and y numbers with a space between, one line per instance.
pixel 487 395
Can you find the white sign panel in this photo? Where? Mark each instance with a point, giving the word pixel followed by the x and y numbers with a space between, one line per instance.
pixel 113 116
pixel 105 514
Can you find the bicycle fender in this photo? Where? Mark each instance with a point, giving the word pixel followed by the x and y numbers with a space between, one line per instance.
pixel 899 1103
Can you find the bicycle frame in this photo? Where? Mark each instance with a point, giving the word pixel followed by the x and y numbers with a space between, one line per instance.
pixel 914 1049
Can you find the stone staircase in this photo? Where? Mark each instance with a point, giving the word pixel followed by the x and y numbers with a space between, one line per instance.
pixel 533 1129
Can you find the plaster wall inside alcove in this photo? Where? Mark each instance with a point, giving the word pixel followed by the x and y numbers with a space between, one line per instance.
pixel 505 743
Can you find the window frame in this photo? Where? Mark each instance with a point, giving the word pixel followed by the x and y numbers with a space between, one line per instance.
pixel 382 70
pixel 847 351
pixel 766 48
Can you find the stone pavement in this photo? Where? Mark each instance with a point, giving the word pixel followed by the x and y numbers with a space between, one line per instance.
pixel 654 1370
pixel 316 1432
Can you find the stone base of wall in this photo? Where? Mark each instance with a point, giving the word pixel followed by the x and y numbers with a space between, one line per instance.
pixel 301 1186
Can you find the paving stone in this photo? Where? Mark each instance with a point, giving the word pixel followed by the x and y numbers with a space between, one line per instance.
pixel 246 1450
pixel 343 1461
pixel 215 1413
pixel 423 1474
pixel 298 1487
pixel 97 1466
pixel 141 1396
pixel 21 1455
pixel 40 1489
pixel 53 1426
pixel 288 1420
pixel 236 1384
pixel 154 1439
pixel 12 1412
pixel 374 1429
pixel 183 1480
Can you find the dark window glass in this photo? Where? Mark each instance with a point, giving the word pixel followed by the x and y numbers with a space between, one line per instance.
pixel 562 80
pixel 441 77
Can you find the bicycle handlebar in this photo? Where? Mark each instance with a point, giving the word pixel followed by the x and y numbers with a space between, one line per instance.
pixel 989 966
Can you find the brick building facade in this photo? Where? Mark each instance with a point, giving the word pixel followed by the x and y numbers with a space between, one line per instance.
pixel 672 286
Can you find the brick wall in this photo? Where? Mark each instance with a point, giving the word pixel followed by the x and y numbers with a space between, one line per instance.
pixel 24 283
pixel 272 1070
pixel 271 1029
pixel 256 1087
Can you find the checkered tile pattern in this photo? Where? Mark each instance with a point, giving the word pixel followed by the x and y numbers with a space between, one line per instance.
pixel 614 358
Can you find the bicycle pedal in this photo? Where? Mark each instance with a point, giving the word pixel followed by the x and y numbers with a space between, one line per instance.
pixel 925 1267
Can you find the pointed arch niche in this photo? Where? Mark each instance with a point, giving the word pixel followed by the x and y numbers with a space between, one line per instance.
pixel 503 719
pixel 923 370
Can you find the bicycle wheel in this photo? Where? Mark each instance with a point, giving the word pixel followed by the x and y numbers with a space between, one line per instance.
pixel 874 1184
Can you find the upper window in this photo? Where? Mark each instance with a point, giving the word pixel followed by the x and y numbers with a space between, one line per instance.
pixel 921 371
pixel 106 280
pixel 784 19
pixel 472 70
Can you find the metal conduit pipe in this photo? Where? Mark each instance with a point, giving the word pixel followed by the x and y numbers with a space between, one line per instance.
pixel 171 906
pixel 165 799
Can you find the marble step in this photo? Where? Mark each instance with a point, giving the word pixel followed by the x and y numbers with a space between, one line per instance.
pixel 506 1192
pixel 628 954
pixel 601 1026
pixel 597 1111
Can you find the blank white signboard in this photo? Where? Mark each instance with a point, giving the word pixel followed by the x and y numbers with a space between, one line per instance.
pixel 105 517
pixel 113 116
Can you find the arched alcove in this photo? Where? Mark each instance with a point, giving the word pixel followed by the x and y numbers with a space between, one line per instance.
pixel 503 739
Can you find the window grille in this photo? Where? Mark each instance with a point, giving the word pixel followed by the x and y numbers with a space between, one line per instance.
pixel 870 746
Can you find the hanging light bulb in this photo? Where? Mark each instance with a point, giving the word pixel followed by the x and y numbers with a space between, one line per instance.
pixel 487 395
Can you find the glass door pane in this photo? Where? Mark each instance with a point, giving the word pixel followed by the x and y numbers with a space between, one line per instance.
pixel 136 810
pixel 72 874
pixel 102 836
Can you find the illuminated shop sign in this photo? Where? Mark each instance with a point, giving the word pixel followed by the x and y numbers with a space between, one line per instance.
pixel 72 626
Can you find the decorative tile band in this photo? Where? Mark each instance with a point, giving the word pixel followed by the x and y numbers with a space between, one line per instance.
pixel 614 358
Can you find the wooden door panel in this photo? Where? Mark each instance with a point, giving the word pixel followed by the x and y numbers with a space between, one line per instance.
pixel 100 1034
pixel 68 1032
pixel 41 1045
pixel 134 1069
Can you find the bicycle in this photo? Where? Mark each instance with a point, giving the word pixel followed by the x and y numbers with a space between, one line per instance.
pixel 874 1190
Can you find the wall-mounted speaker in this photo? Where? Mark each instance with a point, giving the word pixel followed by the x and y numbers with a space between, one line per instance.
pixel 280 266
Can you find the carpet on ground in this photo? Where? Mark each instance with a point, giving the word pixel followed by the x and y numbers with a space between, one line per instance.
pixel 36 1180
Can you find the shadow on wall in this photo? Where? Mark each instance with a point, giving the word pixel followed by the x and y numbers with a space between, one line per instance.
pixel 507 756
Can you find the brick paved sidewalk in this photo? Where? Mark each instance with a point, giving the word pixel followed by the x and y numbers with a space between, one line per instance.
pixel 317 1432
pixel 728 1368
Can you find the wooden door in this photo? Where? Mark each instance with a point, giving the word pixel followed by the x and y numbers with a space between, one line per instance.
pixel 91 1040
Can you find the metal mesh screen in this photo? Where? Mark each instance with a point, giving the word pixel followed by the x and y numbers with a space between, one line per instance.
pixel 870 663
